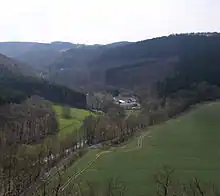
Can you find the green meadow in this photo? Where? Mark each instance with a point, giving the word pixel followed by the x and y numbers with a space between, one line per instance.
pixel 69 125
pixel 189 144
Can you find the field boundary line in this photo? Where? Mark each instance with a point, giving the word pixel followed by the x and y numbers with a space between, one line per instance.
pixel 98 155
pixel 139 143
pixel 90 163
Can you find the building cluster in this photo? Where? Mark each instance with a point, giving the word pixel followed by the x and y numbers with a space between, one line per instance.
pixel 127 102
pixel 96 101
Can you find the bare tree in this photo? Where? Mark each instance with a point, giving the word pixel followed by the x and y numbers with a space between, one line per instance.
pixel 164 181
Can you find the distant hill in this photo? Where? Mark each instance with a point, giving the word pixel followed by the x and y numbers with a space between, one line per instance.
pixel 42 54
pixel 131 65
pixel 72 69
pixel 122 64
pixel 36 55
pixel 15 49
pixel 18 81
pixel 62 62
pixel 9 65
pixel 116 44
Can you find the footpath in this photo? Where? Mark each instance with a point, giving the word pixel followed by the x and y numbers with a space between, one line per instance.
pixel 100 154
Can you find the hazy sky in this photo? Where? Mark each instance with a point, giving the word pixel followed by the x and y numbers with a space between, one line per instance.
pixel 104 21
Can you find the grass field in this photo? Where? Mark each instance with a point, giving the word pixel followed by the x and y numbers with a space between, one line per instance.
pixel 189 144
pixel 68 125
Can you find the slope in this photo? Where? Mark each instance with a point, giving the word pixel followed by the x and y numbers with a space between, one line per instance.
pixel 188 144
pixel 144 73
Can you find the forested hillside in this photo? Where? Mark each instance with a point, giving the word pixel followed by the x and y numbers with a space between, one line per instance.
pixel 18 81
pixel 62 62
pixel 196 56
pixel 71 67
pixel 132 65
pixel 141 74
pixel 75 65
pixel 8 65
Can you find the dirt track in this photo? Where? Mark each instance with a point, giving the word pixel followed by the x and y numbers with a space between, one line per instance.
pixel 139 146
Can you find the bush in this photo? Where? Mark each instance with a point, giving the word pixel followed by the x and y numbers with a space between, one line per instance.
pixel 66 112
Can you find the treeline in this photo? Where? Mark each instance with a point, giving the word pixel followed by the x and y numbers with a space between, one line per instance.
pixel 30 147
pixel 182 99
pixel 166 46
pixel 159 105
pixel 24 168
pixel 115 126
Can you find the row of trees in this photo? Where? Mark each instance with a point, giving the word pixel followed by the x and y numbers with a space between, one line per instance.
pixel 114 127
pixel 28 122
pixel 179 100
pixel 23 166
pixel 22 162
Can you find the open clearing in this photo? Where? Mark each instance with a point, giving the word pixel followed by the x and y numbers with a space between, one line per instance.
pixel 189 144
pixel 68 125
